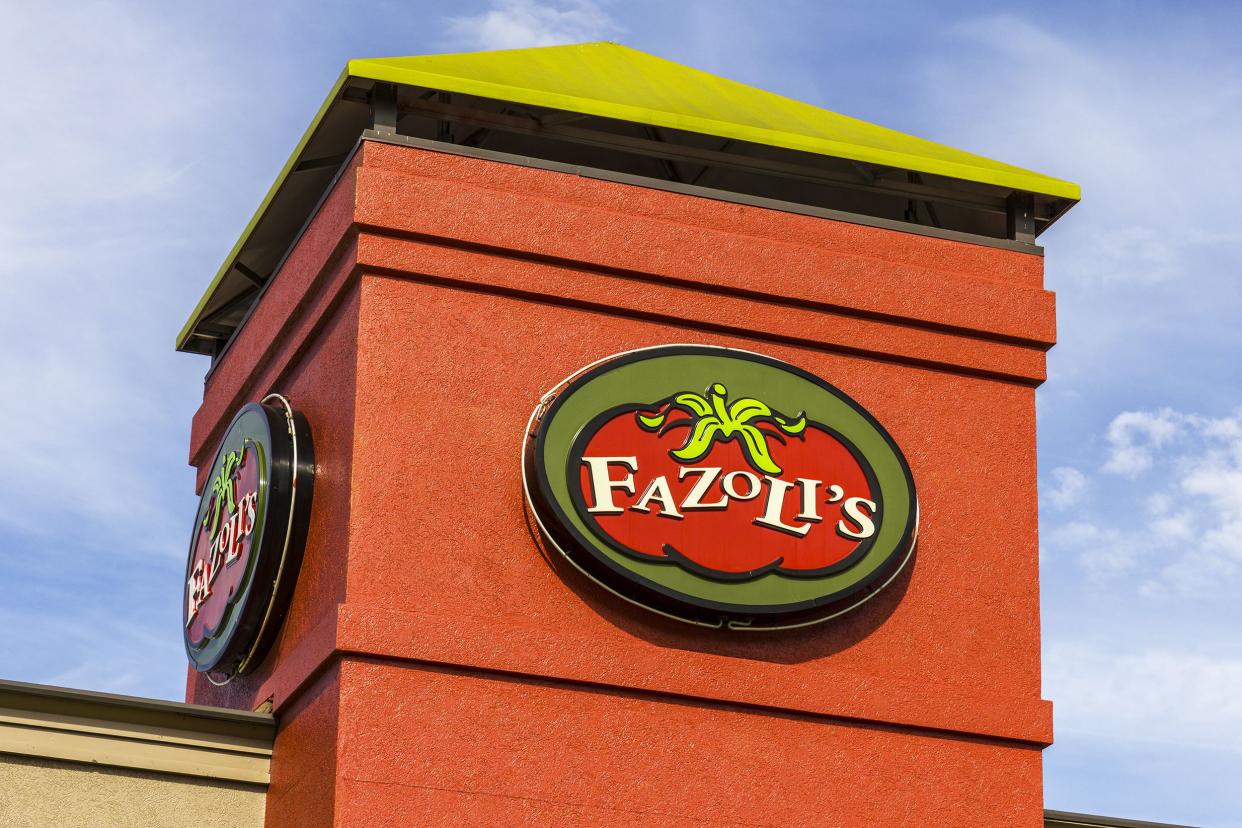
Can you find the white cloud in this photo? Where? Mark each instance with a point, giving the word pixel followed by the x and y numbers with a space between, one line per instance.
pixel 1183 696
pixel 1209 485
pixel 1066 488
pixel 516 24
pixel 1104 552
pixel 1185 526
pixel 1134 435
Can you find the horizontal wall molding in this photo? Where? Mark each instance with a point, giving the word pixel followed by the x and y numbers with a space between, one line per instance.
pixel 80 726
pixel 542 654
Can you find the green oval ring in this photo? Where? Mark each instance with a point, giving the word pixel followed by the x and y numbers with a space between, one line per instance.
pixel 774 600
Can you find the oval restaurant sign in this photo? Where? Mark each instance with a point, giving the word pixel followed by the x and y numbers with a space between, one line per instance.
pixel 720 487
pixel 247 541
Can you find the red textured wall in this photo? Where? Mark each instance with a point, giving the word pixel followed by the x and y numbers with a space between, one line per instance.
pixel 471 679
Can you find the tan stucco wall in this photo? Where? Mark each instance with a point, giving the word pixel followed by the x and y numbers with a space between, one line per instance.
pixel 45 793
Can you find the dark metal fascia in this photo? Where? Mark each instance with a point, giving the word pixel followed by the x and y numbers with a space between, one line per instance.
pixel 1068 819
pixel 620 178
pixel 707 192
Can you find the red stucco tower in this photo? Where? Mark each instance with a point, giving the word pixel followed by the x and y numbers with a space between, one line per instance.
pixel 454 235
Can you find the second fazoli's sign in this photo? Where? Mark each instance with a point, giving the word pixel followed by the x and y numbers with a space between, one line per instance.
pixel 246 545
pixel 720 487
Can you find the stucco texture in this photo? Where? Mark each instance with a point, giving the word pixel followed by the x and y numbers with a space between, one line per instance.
pixel 42 793
pixel 440 665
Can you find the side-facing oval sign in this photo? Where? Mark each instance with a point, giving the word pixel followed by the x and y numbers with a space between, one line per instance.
pixel 246 545
pixel 720 487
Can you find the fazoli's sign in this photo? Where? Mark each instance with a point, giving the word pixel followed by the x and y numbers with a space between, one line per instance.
pixel 720 487
pixel 246 544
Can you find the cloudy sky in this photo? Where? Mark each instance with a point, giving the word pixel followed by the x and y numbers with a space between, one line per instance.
pixel 137 141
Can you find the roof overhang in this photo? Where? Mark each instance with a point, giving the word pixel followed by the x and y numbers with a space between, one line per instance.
pixel 613 110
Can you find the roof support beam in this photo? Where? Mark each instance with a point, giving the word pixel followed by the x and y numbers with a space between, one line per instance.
pixel 444 127
pixel 1020 217
pixel 255 278
pixel 476 138
pixel 384 108
pixel 210 330
pixel 706 168
pixel 558 118
pixel 670 172
pixel 320 163
pixel 675 152
pixel 915 178
pixel 241 300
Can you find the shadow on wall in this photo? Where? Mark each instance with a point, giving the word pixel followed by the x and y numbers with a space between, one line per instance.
pixel 789 647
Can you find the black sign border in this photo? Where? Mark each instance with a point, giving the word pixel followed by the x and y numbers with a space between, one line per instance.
pixel 627 584
pixel 280 548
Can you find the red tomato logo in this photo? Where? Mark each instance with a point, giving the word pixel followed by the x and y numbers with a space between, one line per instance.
pixel 222 545
pixel 729 489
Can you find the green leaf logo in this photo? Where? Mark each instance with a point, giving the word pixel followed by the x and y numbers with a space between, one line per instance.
pixel 713 419
pixel 223 491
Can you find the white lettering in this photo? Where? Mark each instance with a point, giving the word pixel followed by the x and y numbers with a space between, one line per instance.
pixel 777 489
pixel 752 483
pixel 658 491
pixel 218 548
pixel 808 510
pixel 858 514
pixel 245 525
pixel 853 511
pixel 194 596
pixel 602 485
pixel 707 476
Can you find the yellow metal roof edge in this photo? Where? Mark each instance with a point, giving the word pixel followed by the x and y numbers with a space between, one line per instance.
pixel 1015 177
pixel 184 335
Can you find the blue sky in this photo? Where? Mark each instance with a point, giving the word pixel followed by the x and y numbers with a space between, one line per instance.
pixel 138 140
